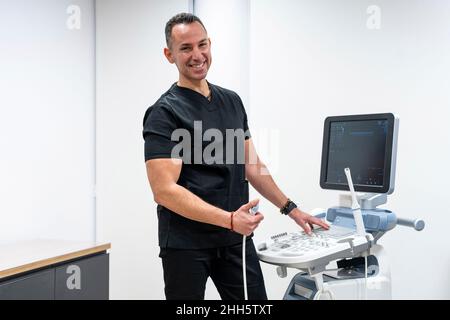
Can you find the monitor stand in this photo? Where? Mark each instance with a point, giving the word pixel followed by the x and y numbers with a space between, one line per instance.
pixel 372 200
pixel 367 201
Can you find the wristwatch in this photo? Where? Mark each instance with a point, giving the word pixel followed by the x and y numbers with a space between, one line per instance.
pixel 288 207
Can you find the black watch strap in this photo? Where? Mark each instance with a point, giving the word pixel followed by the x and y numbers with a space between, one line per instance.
pixel 288 207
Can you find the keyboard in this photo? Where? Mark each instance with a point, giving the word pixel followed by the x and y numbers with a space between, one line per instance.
pixel 299 250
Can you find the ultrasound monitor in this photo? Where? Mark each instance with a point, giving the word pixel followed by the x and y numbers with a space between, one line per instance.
pixel 367 144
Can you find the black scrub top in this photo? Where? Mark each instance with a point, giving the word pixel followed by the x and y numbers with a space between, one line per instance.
pixel 221 183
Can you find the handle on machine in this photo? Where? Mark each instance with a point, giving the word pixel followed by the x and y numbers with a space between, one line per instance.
pixel 417 224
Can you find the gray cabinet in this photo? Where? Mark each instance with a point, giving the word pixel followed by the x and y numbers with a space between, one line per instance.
pixel 85 278
pixel 35 286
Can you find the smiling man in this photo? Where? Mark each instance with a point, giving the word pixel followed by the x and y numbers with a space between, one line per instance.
pixel 203 205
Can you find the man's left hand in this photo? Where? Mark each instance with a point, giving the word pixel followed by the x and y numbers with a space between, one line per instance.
pixel 306 221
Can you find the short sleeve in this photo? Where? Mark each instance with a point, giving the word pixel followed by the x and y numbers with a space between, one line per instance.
pixel 159 124
pixel 245 124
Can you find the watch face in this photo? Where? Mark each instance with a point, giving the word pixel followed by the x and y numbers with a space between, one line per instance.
pixel 290 206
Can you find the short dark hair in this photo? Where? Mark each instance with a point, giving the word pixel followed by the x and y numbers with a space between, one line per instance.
pixel 181 18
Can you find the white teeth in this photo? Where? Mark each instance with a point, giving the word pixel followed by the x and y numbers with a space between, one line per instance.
pixel 197 65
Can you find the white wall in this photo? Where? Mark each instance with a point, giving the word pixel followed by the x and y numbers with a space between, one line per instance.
pixel 46 121
pixel 132 73
pixel 311 59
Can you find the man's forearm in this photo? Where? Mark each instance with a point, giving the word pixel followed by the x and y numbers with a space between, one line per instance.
pixel 192 207
pixel 260 178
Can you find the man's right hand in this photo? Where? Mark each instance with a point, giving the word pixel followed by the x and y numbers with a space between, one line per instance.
pixel 244 222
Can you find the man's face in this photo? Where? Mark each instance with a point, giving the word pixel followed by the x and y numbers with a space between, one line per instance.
pixel 190 50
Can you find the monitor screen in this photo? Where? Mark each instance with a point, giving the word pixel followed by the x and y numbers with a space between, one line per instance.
pixel 363 143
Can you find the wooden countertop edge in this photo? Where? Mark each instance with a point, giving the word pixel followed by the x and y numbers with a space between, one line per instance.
pixel 53 260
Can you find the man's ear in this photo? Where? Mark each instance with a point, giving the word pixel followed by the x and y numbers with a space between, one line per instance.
pixel 168 55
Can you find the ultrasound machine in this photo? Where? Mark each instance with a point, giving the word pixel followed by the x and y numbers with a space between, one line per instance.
pixel 346 261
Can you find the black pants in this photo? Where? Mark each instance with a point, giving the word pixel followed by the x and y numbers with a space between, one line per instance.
pixel 186 273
